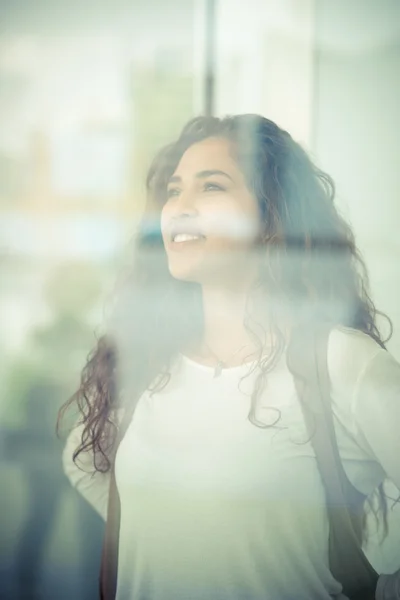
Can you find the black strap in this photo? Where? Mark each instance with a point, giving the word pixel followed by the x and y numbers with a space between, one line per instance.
pixel 109 557
pixel 349 565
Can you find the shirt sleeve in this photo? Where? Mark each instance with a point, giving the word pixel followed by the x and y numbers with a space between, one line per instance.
pixel 376 412
pixel 91 484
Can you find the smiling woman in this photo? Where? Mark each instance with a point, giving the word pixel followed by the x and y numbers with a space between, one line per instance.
pixel 209 201
pixel 192 421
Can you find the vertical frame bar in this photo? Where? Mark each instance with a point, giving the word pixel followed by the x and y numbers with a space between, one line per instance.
pixel 210 57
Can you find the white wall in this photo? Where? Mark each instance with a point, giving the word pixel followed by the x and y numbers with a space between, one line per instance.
pixel 356 110
pixel 264 61
pixel 356 131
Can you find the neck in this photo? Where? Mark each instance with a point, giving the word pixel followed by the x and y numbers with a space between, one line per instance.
pixel 224 313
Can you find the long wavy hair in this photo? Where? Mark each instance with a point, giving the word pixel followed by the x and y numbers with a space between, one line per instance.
pixel 310 267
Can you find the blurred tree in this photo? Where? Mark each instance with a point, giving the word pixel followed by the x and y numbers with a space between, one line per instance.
pixel 13 180
pixel 57 349
pixel 73 288
pixel 38 382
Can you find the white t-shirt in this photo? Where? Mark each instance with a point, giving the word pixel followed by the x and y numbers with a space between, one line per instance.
pixel 214 507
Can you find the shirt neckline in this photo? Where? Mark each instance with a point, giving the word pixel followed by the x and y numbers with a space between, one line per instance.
pixel 211 370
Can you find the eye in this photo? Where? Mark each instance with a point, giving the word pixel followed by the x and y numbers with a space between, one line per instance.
pixel 172 192
pixel 210 186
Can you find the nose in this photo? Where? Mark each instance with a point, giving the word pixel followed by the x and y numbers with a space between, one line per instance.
pixel 185 205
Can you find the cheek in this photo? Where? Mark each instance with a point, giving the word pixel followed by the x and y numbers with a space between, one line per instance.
pixel 163 217
pixel 234 227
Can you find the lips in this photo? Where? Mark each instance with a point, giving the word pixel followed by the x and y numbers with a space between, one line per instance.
pixel 185 232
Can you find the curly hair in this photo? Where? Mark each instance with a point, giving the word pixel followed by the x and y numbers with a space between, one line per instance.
pixel 310 265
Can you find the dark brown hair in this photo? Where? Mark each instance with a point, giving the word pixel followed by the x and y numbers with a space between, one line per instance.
pixel 311 266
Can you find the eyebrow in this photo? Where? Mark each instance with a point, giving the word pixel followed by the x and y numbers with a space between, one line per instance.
pixel 201 175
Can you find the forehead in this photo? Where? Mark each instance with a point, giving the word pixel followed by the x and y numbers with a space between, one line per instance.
pixel 212 153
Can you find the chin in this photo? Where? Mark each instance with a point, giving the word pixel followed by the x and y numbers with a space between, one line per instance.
pixel 183 274
pixel 184 268
pixel 203 272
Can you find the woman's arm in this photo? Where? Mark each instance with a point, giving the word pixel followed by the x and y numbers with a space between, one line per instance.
pixel 376 412
pixel 366 396
pixel 91 484
pixel 369 377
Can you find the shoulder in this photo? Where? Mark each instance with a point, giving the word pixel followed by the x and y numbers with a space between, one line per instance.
pixel 350 352
pixel 365 393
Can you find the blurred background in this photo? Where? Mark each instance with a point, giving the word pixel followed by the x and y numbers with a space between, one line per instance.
pixel 88 92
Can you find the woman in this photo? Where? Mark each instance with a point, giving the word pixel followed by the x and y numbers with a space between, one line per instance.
pixel 240 247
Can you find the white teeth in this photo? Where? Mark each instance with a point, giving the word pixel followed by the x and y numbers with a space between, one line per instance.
pixel 185 237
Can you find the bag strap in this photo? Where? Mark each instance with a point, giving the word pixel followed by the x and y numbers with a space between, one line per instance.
pixel 109 556
pixel 348 562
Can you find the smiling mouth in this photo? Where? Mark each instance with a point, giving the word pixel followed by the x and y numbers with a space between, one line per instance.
pixel 181 238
